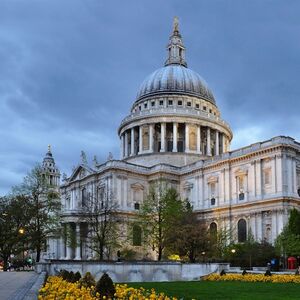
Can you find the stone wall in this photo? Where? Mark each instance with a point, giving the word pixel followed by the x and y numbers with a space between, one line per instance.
pixel 134 272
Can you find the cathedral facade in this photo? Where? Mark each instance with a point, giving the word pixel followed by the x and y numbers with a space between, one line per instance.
pixel 175 131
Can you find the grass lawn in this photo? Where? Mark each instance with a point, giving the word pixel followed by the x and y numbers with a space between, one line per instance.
pixel 208 290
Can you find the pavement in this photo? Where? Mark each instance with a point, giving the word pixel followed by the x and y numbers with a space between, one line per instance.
pixel 20 285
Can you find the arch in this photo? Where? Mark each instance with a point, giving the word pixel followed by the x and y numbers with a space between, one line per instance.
pixel 242 230
pixel 213 229
pixel 136 235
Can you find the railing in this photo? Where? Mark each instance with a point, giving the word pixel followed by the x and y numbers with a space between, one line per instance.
pixel 172 110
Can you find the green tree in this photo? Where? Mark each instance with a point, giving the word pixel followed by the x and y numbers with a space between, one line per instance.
pixel 159 215
pixel 14 224
pixel 288 242
pixel 190 236
pixel 103 231
pixel 44 207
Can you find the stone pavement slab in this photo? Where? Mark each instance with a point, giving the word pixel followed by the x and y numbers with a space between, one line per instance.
pixel 15 285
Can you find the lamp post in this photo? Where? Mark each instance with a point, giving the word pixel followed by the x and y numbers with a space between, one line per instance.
pixel 21 232
pixel 203 256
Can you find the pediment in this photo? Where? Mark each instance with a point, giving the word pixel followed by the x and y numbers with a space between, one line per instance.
pixel 188 185
pixel 241 172
pixel 137 186
pixel 80 172
pixel 212 179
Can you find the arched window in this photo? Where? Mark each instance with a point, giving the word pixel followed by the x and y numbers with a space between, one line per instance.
pixel 242 231
pixel 213 229
pixel 136 235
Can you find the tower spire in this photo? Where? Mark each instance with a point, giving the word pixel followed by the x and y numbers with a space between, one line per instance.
pixel 176 49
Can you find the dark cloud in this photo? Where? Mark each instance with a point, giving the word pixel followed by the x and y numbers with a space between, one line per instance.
pixel 70 71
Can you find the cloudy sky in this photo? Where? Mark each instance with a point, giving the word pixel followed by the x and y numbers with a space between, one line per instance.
pixel 70 70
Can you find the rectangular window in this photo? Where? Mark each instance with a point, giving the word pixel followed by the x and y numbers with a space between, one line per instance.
pixel 179 102
pixel 170 102
pixel 210 111
pixel 189 103
pixel 204 107
pixel 145 105
pixel 267 177
pixel 161 102
pixel 153 103
pixel 197 105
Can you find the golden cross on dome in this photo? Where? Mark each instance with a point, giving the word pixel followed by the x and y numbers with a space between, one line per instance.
pixel 49 148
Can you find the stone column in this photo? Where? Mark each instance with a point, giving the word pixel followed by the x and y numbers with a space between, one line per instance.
pixel 199 139
pixel 62 243
pixel 69 249
pixel 122 147
pixel 132 142
pixel 217 152
pixel 163 137
pixel 126 144
pixel 175 137
pixel 140 139
pixel 187 138
pixel 151 143
pixel 223 143
pixel 77 254
pixel 208 149
pixel 273 170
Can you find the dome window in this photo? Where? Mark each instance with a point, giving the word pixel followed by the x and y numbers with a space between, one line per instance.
pixel 197 105
pixel 145 105
pixel 210 111
pixel 153 103
pixel 180 102
pixel 140 108
pixel 204 107
pixel 161 102
pixel 170 102
pixel 189 103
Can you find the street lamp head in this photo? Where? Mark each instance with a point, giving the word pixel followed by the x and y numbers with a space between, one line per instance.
pixel 232 251
pixel 21 230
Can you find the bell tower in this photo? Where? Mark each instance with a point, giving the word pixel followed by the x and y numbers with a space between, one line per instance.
pixel 50 169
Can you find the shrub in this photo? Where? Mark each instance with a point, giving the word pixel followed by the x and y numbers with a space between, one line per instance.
pixel 64 274
pixel 244 272
pixel 268 273
pixel 222 272
pixel 105 286
pixel 87 280
pixel 70 278
pixel 76 276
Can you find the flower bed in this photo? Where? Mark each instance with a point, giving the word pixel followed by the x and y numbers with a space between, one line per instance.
pixel 59 289
pixel 254 278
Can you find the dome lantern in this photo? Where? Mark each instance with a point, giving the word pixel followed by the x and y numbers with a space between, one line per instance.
pixel 176 49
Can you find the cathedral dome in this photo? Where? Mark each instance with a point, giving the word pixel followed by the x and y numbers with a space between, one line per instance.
pixel 175 79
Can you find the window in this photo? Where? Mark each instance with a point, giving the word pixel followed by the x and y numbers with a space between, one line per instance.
pixel 241 196
pixel 140 108
pixel 161 102
pixel 242 231
pixel 83 197
pixel 145 105
pixel 170 102
pixel 136 235
pixel 267 177
pixel 197 105
pixel 212 201
pixel 204 107
pixel 179 102
pixel 210 111
pixel 153 103
pixel 189 103
pixel 136 206
pixel 213 229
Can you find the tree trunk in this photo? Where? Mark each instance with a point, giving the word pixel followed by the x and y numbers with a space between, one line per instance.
pixel 38 253
pixel 159 253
